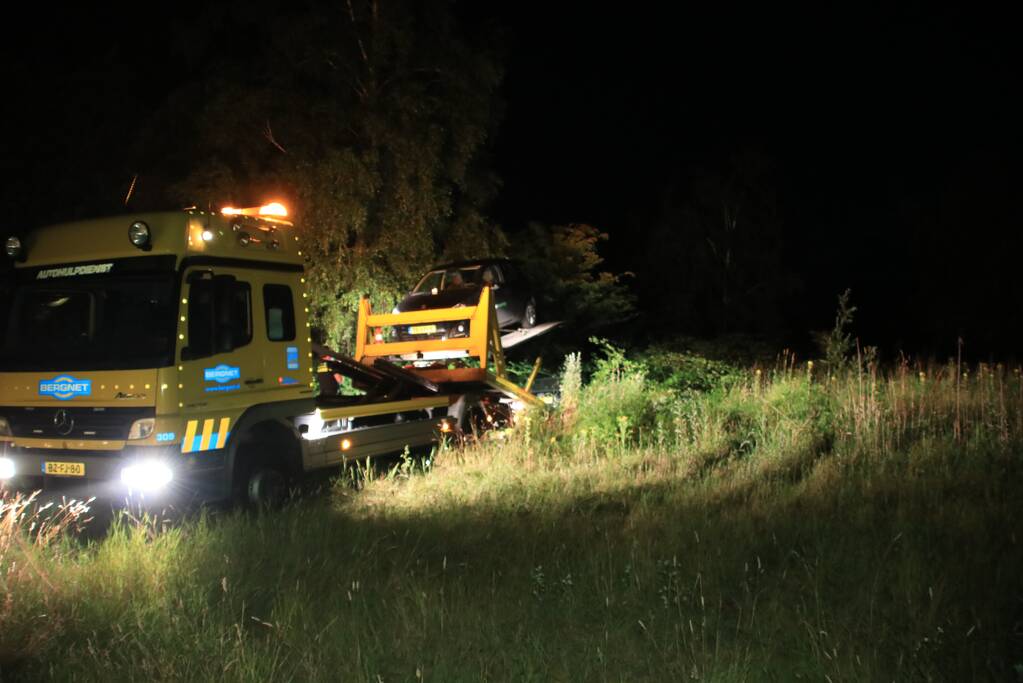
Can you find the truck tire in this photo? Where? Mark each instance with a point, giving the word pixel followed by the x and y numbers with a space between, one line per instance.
pixel 266 487
pixel 264 468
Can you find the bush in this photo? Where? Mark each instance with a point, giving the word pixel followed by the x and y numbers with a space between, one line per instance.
pixel 685 372
pixel 619 404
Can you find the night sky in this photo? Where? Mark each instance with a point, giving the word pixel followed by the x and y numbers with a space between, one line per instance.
pixel 893 133
pixel 890 135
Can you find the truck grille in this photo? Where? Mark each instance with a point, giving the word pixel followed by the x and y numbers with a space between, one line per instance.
pixel 110 424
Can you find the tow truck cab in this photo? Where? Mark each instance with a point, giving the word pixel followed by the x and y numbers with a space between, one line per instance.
pixel 171 352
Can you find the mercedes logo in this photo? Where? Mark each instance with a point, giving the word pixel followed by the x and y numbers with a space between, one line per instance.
pixel 63 422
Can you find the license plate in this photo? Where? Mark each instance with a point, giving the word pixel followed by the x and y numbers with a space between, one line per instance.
pixel 422 329
pixel 64 469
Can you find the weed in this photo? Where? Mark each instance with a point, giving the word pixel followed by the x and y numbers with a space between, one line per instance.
pixel 837 345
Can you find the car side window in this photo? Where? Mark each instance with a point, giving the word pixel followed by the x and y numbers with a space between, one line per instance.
pixel 492 275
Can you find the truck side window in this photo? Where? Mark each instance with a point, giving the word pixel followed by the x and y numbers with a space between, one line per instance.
pixel 219 316
pixel 280 313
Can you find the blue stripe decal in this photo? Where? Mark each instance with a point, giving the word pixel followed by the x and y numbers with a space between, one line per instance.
pixel 197 442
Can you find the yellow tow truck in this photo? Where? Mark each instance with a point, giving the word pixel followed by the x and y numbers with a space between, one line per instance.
pixel 170 353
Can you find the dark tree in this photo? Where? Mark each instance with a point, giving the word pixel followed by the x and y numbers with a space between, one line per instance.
pixel 370 118
pixel 714 252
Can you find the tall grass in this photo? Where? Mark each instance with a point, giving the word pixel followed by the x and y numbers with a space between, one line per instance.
pixel 782 523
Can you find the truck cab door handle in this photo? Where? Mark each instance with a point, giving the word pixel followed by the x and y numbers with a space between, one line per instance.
pixel 255 380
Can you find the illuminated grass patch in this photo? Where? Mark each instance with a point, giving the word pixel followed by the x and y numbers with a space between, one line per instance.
pixel 854 528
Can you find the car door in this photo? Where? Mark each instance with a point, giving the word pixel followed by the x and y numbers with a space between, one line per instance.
pixel 500 292
pixel 513 296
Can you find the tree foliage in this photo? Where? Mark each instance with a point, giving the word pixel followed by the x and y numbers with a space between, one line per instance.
pixel 370 117
pixel 563 264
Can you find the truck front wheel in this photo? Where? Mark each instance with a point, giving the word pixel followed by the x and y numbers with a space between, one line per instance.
pixel 264 465
pixel 266 487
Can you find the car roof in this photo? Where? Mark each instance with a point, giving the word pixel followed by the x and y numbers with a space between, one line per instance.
pixel 472 262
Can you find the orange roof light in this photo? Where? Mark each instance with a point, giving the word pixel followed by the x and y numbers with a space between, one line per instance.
pixel 272 209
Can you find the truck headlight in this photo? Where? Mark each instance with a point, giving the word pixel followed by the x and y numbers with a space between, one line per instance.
pixel 142 429
pixel 6 468
pixel 148 475
pixel 5 427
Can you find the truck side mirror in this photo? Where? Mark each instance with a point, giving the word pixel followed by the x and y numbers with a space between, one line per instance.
pixel 200 317
pixel 226 313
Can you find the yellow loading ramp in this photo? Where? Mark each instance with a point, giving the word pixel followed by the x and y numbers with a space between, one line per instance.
pixel 483 343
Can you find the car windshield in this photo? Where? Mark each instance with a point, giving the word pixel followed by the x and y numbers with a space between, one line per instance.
pixel 123 322
pixel 451 278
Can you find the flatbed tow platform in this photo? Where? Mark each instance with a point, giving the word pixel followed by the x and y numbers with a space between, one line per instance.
pixel 483 345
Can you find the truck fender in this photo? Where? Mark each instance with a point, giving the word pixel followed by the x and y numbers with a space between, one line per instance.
pixel 259 416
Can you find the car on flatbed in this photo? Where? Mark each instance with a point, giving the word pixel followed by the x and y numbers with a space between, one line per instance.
pixel 456 284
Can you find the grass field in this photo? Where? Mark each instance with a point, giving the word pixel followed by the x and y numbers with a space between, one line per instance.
pixel 780 525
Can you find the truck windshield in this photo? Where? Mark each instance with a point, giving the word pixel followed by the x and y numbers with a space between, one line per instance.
pixel 104 323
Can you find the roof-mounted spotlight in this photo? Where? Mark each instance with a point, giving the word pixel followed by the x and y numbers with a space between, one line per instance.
pixel 139 235
pixel 14 248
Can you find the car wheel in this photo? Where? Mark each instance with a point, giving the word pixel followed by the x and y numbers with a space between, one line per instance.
pixel 529 316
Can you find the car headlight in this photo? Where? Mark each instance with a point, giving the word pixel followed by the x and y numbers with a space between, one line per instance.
pixel 5 427
pixel 142 429
pixel 149 475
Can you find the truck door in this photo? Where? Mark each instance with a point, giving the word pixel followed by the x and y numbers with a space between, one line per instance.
pixel 282 362
pixel 218 365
